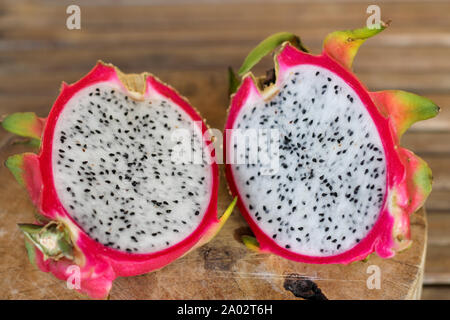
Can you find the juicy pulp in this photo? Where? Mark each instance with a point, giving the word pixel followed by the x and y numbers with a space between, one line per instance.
pixel 331 179
pixel 114 172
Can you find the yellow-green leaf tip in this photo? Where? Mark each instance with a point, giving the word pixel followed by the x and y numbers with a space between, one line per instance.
pixel 251 243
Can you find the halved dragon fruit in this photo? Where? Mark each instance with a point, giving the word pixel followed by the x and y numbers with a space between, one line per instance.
pixel 112 197
pixel 343 187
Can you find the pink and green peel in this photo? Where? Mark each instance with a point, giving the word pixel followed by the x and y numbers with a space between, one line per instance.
pixel 343 45
pixel 99 265
pixel 24 124
pixel 403 108
pixel 393 111
pixel 25 168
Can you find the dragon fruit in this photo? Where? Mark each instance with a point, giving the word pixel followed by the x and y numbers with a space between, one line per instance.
pixel 112 198
pixel 343 187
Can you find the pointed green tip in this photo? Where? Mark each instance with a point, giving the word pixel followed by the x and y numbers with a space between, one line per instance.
pixel 227 213
pixel 420 108
pixel 366 32
pixel 267 46
pixel 251 243
pixel 211 233
pixel 412 108
pixel 15 165
pixel 25 124
pixel 28 228
pixel 343 45
pixel 31 252
pixel 404 108
pixel 361 34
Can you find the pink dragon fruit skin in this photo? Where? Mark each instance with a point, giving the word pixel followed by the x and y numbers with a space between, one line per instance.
pixel 99 264
pixel 408 178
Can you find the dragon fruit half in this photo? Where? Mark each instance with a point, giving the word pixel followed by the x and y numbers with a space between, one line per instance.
pixel 111 198
pixel 344 187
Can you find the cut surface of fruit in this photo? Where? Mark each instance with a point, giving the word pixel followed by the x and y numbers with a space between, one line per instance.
pixel 331 174
pixel 118 192
pixel 114 174
pixel 342 186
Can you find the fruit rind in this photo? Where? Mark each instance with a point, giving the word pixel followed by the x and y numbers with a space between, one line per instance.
pixel 403 108
pixel 25 169
pixel 251 243
pixel 267 46
pixel 24 124
pixel 343 45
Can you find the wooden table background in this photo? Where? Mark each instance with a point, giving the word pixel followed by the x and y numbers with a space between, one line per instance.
pixel 189 44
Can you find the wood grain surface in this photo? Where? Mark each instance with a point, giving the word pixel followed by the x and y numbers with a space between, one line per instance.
pixel 189 44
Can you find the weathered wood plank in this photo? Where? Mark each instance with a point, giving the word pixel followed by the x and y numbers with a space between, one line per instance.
pixel 215 53
pixel 34 82
pixel 424 143
pixel 436 293
pixel 439 228
pixel 441 172
pixel 437 265
pixel 438 200
pixel 305 12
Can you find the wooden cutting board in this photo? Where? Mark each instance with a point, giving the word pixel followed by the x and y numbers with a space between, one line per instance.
pixel 222 269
